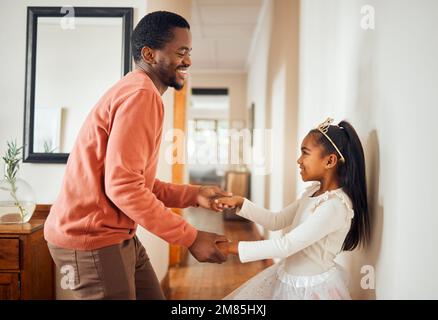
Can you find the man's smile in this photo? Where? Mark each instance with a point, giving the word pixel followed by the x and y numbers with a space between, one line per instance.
pixel 182 71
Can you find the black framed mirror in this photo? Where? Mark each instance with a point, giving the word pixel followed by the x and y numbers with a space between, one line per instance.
pixel 73 55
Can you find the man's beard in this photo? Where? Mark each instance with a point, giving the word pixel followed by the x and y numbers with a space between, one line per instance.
pixel 173 84
pixel 170 81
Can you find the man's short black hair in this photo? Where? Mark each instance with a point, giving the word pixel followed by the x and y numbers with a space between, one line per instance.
pixel 155 30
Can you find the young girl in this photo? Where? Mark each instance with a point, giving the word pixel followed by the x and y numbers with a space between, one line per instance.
pixel 331 216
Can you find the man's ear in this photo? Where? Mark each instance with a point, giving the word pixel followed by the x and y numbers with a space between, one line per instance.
pixel 148 55
pixel 332 160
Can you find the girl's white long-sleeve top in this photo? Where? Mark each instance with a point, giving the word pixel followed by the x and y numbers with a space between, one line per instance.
pixel 314 229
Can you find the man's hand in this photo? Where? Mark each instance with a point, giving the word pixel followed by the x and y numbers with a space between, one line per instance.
pixel 204 248
pixel 207 195
pixel 223 248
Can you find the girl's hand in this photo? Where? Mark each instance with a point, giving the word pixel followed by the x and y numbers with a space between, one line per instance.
pixel 229 202
pixel 206 196
pixel 227 247
pixel 223 247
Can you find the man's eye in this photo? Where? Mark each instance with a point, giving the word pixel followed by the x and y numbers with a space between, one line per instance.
pixel 182 54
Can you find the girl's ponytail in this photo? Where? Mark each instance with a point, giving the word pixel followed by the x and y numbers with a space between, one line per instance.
pixel 353 180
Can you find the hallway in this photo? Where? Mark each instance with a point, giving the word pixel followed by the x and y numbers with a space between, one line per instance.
pixel 205 281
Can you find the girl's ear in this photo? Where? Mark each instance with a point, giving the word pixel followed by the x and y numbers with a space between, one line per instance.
pixel 332 160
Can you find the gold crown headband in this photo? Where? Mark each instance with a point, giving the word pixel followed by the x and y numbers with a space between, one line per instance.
pixel 323 128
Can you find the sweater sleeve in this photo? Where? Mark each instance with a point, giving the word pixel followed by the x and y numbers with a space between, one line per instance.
pixel 132 139
pixel 269 220
pixel 176 195
pixel 329 217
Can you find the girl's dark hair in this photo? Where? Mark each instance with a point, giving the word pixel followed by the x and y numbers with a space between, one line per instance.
pixel 155 31
pixel 352 178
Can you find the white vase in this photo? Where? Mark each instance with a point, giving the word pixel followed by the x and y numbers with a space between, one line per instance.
pixel 17 201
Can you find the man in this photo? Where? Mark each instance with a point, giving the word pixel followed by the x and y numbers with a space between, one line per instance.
pixel 110 186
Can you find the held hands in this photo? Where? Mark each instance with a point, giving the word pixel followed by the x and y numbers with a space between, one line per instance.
pixel 229 202
pixel 207 195
pixel 233 202
pixel 205 249
pixel 228 247
pixel 211 247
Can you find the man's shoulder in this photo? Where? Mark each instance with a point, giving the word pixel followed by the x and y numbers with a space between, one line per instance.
pixel 134 84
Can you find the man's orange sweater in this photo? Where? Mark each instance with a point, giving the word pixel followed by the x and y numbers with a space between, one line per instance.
pixel 109 185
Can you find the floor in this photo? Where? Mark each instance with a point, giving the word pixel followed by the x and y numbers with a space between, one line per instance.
pixel 205 281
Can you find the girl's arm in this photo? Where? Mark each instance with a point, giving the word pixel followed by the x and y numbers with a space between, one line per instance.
pixel 329 217
pixel 269 220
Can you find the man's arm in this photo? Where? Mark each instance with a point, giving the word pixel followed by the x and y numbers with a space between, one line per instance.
pixel 176 195
pixel 130 145
pixel 186 195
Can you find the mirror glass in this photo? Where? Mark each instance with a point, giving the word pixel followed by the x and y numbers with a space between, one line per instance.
pixel 73 68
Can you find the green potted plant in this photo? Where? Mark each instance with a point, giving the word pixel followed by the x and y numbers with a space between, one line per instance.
pixel 17 199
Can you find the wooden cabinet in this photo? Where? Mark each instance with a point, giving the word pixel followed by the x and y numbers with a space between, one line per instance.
pixel 26 267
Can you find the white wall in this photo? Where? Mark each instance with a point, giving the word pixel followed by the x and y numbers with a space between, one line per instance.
pixel 273 88
pixel 257 92
pixel 384 81
pixel 282 104
pixel 46 178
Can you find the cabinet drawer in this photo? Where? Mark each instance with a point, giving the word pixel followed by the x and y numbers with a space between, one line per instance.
pixel 9 286
pixel 9 254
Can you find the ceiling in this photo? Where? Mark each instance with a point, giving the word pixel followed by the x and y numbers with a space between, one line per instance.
pixel 223 32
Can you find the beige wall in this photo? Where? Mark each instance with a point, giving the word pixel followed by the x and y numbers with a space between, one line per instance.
pixel 181 7
pixel 384 81
pixel 236 84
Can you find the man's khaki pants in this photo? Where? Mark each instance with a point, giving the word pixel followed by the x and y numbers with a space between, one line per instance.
pixel 121 271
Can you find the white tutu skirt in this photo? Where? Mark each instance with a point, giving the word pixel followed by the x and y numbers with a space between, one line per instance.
pixel 274 283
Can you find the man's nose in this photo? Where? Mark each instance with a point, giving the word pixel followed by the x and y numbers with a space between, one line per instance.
pixel 187 60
